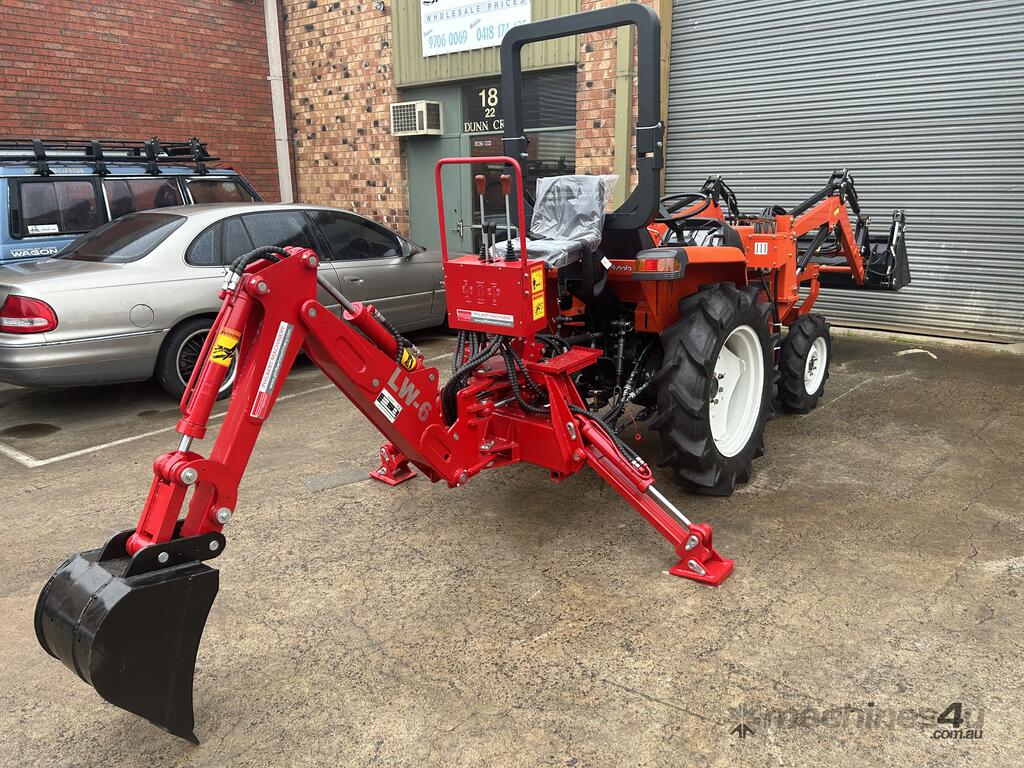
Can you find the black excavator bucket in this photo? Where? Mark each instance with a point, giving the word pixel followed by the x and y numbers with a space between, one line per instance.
pixel 130 626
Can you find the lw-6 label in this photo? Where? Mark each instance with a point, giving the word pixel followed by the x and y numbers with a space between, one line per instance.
pixel 400 393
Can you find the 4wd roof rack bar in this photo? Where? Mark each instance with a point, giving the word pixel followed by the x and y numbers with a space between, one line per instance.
pixel 97 158
pixel 152 147
pixel 103 152
pixel 39 154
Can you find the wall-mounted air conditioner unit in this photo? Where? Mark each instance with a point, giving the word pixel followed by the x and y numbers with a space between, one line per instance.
pixel 416 118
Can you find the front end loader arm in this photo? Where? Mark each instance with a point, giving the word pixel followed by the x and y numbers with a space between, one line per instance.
pixel 874 262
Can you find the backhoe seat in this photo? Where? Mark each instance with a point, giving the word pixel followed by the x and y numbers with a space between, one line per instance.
pixel 568 215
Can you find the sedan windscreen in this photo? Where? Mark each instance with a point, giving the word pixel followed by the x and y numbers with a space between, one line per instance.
pixel 127 239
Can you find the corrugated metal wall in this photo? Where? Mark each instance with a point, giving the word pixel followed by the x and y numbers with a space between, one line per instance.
pixel 922 99
pixel 410 68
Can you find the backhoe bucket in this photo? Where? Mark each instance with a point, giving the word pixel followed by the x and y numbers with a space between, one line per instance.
pixel 131 626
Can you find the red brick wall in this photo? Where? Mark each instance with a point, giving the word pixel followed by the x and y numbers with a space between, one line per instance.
pixel 595 98
pixel 340 87
pixel 339 69
pixel 138 69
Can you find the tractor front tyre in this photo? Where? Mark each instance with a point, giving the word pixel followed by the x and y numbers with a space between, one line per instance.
pixel 803 363
pixel 714 387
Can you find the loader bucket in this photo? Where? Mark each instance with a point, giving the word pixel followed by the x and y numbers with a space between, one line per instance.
pixel 130 627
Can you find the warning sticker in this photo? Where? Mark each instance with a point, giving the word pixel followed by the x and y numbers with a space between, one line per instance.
pixel 538 306
pixel 760 248
pixel 537 280
pixel 388 405
pixel 261 405
pixel 485 318
pixel 408 360
pixel 225 347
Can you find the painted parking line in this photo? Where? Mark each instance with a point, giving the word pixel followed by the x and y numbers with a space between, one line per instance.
pixel 27 460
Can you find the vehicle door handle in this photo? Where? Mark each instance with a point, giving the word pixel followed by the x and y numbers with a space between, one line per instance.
pixel 459 228
pixel 353 279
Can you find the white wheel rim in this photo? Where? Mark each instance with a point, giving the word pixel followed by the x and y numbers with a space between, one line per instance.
pixel 736 404
pixel 814 367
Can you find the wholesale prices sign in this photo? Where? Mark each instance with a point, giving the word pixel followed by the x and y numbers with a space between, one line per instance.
pixel 450 26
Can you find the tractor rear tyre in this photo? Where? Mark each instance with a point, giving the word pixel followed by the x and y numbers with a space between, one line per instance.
pixel 714 387
pixel 803 363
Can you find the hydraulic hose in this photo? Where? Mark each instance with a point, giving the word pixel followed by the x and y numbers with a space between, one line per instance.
pixel 512 361
pixel 449 405
pixel 269 252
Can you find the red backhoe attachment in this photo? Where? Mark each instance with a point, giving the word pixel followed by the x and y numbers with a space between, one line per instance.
pixel 128 618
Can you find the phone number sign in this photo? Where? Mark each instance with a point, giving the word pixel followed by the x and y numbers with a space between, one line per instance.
pixel 450 26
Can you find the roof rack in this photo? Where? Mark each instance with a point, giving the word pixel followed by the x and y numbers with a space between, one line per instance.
pixel 100 153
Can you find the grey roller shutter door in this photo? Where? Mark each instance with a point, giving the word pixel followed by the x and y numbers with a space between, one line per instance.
pixel 922 100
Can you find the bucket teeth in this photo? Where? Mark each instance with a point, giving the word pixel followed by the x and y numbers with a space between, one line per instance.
pixel 134 638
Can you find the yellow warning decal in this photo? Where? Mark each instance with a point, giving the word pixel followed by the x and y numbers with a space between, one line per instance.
pixel 538 306
pixel 537 279
pixel 408 360
pixel 224 348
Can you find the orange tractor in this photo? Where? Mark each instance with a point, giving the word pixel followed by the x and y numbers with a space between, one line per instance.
pixel 675 307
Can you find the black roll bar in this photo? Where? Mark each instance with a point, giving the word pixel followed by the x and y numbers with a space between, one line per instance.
pixel 642 203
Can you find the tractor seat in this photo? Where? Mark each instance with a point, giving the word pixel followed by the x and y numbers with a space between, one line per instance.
pixel 568 216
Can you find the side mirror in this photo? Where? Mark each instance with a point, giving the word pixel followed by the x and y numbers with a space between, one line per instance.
pixel 410 248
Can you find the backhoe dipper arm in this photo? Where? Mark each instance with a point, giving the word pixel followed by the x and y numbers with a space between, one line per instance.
pixel 272 315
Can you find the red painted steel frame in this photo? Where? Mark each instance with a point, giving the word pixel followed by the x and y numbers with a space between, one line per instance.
pixel 520 206
pixel 779 252
pixel 276 314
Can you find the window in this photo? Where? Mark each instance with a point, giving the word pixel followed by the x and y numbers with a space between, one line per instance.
pixel 57 207
pixel 219 191
pixel 236 240
pixel 126 196
pixel 203 251
pixel 353 238
pixel 280 228
pixel 124 240
pixel 549 121
pixel 219 245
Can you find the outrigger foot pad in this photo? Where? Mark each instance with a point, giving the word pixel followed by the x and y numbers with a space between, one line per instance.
pixel 700 560
pixel 394 467
pixel 131 626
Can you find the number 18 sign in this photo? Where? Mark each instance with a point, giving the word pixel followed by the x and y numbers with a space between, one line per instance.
pixel 450 26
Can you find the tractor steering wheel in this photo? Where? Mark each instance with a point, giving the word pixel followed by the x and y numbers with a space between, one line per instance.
pixel 672 203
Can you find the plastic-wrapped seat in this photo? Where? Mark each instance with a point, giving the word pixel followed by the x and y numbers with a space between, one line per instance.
pixel 568 216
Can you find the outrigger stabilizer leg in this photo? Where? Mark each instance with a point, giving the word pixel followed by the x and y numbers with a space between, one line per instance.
pixel 128 617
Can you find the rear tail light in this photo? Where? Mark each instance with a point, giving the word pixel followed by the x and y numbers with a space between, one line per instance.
pixel 664 264
pixel 20 314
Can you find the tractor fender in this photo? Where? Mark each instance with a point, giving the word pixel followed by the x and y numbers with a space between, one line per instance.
pixel 716 263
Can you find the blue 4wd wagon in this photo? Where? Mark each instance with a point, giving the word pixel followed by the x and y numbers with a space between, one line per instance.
pixel 51 192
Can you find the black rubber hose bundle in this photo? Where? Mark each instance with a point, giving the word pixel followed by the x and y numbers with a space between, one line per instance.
pixel 513 361
pixel 449 405
pixel 269 252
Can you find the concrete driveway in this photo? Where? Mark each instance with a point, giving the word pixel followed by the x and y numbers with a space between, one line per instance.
pixel 514 622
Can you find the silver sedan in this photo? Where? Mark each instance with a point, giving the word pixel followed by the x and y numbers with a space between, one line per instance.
pixel 135 298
